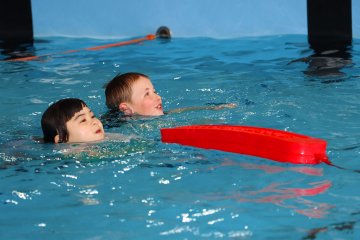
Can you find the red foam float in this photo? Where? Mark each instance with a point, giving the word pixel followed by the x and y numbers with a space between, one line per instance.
pixel 267 143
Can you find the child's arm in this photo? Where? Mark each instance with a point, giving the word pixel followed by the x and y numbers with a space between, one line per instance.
pixel 213 107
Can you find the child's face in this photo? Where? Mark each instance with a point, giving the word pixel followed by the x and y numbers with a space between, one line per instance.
pixel 84 127
pixel 144 100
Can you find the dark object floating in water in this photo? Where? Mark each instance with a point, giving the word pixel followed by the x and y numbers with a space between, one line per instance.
pixel 163 32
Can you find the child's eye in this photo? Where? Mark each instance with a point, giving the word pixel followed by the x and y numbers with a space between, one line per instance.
pixel 83 120
pixel 93 116
pixel 147 94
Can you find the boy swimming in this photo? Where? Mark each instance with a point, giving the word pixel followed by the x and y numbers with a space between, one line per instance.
pixel 133 94
pixel 70 120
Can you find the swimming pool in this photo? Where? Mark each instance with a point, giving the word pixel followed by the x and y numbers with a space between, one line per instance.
pixel 142 188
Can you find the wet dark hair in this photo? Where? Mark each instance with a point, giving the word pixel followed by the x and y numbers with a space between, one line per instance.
pixel 118 90
pixel 53 121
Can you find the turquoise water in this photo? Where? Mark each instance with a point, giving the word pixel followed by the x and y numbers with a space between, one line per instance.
pixel 139 188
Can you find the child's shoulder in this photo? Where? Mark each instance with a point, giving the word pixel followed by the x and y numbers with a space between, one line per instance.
pixel 118 137
pixel 112 119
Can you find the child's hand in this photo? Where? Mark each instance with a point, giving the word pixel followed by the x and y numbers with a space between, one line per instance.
pixel 216 107
pixel 226 105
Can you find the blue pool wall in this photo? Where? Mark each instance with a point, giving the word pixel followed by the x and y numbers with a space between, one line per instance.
pixel 185 18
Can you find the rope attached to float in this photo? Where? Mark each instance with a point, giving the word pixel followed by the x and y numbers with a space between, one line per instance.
pixel 148 37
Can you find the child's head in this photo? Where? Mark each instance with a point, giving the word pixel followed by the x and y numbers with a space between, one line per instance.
pixel 133 93
pixel 70 120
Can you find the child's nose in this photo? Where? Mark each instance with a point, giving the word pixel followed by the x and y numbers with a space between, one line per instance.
pixel 158 96
pixel 94 121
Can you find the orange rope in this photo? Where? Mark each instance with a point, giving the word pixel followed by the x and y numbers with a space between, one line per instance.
pixel 118 44
pixel 148 37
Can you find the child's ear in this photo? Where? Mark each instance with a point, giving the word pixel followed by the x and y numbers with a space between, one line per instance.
pixel 126 109
pixel 56 139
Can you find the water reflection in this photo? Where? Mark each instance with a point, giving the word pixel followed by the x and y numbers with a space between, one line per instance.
pixel 13 50
pixel 281 192
pixel 327 61
pixel 343 226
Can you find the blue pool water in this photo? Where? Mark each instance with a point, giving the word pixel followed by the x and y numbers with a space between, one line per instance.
pixel 139 188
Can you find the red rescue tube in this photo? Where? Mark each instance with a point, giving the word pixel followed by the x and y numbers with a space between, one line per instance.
pixel 267 143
